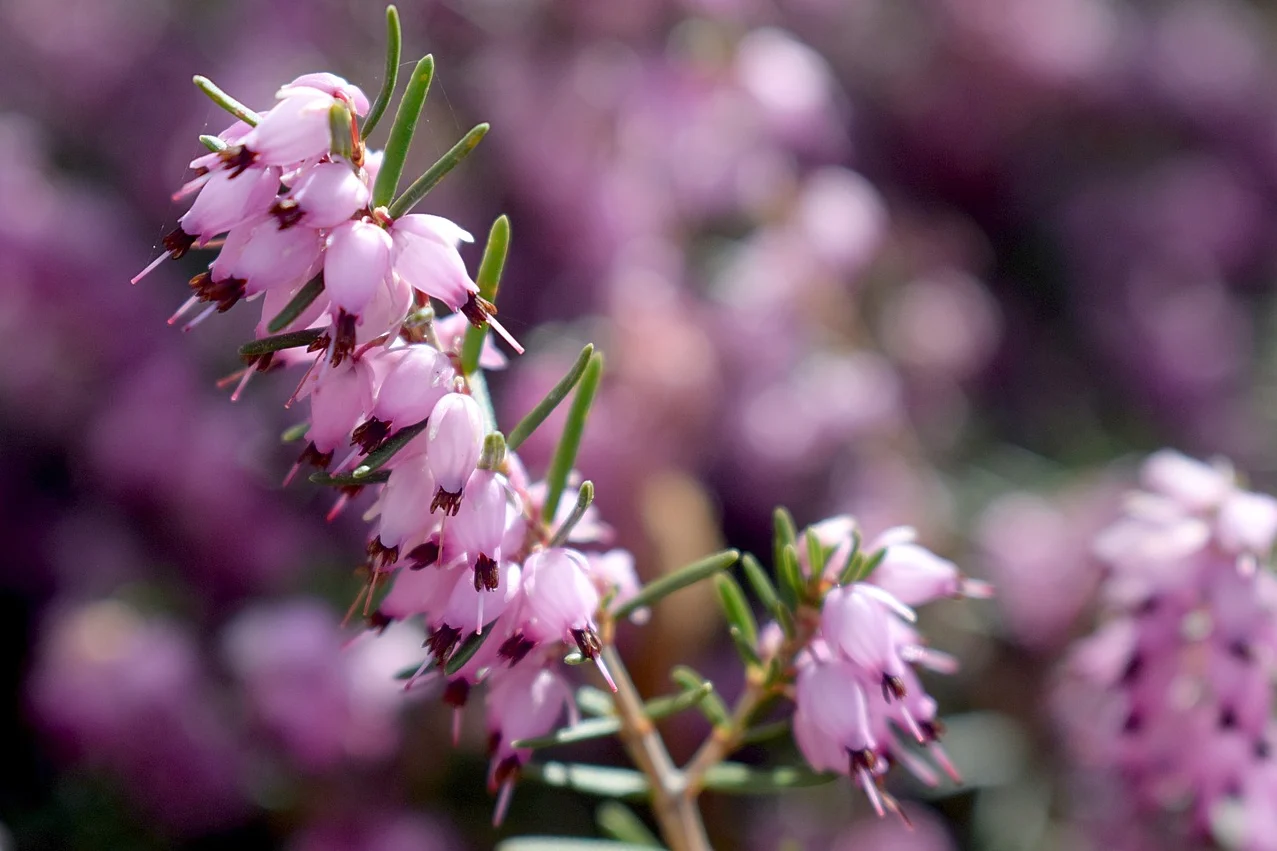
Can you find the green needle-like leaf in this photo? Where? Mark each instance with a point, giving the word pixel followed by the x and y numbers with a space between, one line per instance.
pixel 394 46
pixel 566 843
pixel 681 578
pixel 292 434
pixel 402 131
pixel 622 824
pixel 297 304
pixel 466 651
pixel 589 779
pixel 488 280
pixel 225 101
pixel 766 592
pixel 870 564
pixel 789 574
pixel 583 499
pixel 279 342
pixel 573 430
pixel 766 732
pixel 388 449
pixel 816 555
pixel 345 480
pixel 594 701
pixel 607 724
pixel 546 406
pixel 784 533
pixel 736 779
pixel 422 185
pixel 744 647
pixel 711 705
pixel 213 143
pixel 736 608
pixel 854 559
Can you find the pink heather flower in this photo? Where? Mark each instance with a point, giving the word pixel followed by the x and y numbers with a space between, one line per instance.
pixel 339 398
pixel 454 441
pixel 855 620
pixel 327 194
pixel 333 85
pixel 356 264
pixel 613 573
pixel 295 129
pixel 451 330
pixel 403 523
pixel 914 575
pixel 476 532
pixel 471 605
pixel 417 377
pixel 276 300
pixel 426 257
pixel 524 702
pixel 1173 697
pixel 261 256
pixel 225 201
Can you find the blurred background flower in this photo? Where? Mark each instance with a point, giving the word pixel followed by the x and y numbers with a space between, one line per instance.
pixel 949 264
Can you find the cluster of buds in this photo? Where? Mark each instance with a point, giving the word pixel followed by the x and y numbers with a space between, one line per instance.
pixel 1174 693
pixel 858 697
pixel 460 532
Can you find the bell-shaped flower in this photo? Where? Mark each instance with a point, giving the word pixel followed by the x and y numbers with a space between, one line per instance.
pixel 225 201
pixel 914 575
pixel 470 606
pixel 265 257
pixel 613 574
pixel 856 622
pixel 523 702
pixel 418 592
pixel 333 85
pixel 295 129
pixel 426 258
pixel 356 264
pixel 404 521
pixel 477 531
pixel 339 398
pixel 1247 522
pixel 326 194
pixel 418 377
pixel 454 441
pixel 558 600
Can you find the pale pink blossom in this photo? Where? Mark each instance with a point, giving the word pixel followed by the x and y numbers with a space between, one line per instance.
pixel 454 441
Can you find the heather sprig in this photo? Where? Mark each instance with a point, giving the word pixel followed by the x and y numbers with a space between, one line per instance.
pixel 510 577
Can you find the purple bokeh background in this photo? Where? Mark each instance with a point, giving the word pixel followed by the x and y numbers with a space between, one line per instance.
pixel 950 264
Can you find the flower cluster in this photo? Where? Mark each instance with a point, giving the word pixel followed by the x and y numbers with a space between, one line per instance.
pixel 858 695
pixel 1174 693
pixel 459 529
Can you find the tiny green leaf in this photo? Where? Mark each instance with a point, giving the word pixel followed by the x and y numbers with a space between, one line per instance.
pixel 492 457
pixel 466 651
pixel 583 499
pixel 339 127
pixel 790 576
pixel 402 131
pixel 711 705
pixel 737 779
pixel 419 187
pixel 388 449
pixel 678 579
pixel 589 779
pixel 225 101
pixel 298 303
pixel 784 533
pixel 816 555
pixel 848 571
pixel 394 46
pixel 292 434
pixel 589 728
pixel 621 823
pixel 345 480
pixel 278 342
pixel 607 724
pixel 488 280
pixel 744 647
pixel 870 564
pixel 546 406
pixel 736 608
pixel 213 143
pixel 766 592
pixel 573 430
pixel 566 843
